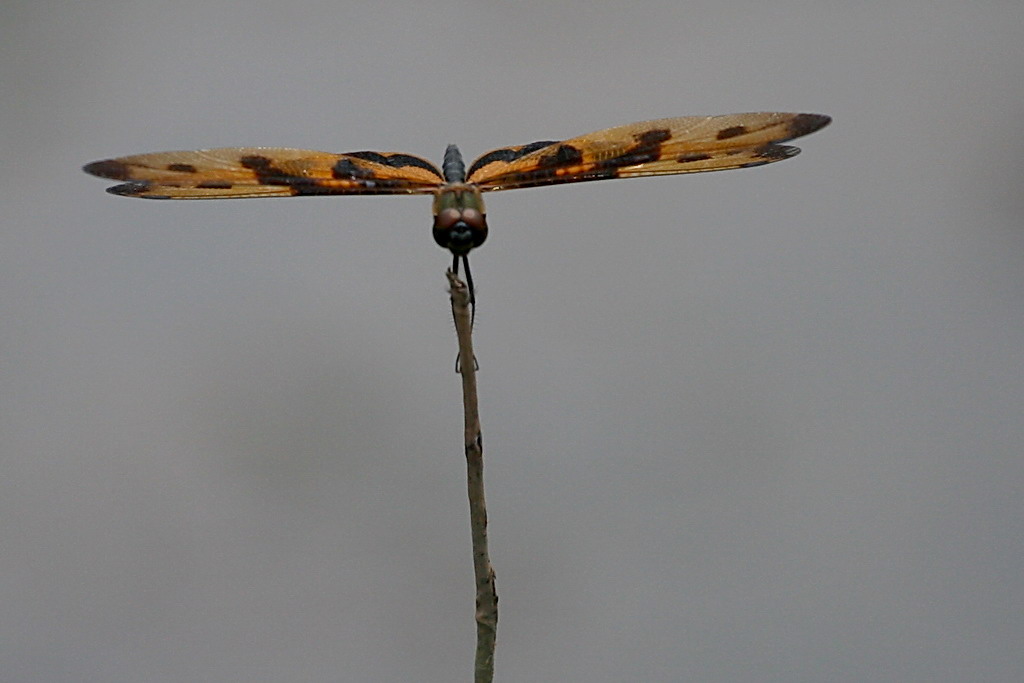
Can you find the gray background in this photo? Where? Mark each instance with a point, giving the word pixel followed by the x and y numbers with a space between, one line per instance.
pixel 747 426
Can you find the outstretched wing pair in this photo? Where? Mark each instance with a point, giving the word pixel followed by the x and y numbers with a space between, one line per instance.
pixel 689 144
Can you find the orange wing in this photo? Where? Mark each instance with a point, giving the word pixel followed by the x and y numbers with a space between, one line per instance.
pixel 266 172
pixel 690 144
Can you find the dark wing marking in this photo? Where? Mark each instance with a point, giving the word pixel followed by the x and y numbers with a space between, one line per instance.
pixel 690 144
pixel 507 155
pixel 233 172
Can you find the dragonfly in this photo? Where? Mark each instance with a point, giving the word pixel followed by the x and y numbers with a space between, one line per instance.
pixel 688 144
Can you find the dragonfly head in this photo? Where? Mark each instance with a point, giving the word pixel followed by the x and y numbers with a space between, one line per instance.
pixel 460 222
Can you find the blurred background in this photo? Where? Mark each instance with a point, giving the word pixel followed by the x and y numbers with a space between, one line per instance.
pixel 758 426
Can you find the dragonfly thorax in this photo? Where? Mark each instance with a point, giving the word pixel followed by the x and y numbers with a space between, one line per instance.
pixel 460 223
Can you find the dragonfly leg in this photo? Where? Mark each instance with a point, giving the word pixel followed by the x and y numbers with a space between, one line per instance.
pixel 472 291
pixel 472 305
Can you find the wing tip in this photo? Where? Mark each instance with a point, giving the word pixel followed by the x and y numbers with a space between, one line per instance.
pixel 770 154
pixel 135 189
pixel 107 168
pixel 805 124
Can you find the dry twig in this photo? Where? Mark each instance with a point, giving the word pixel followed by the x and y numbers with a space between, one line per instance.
pixel 486 594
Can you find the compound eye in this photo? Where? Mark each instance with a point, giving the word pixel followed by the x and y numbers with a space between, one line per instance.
pixel 447 218
pixel 474 219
